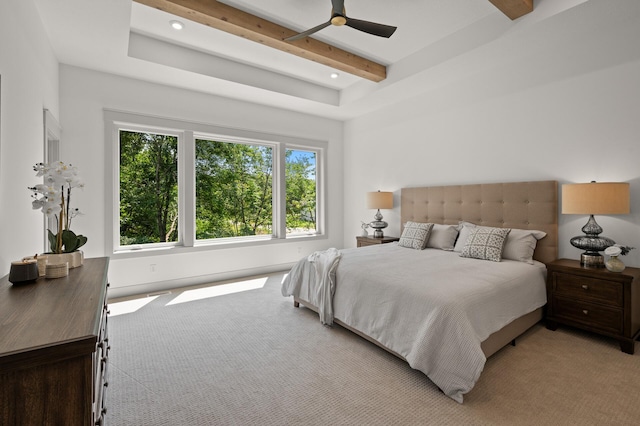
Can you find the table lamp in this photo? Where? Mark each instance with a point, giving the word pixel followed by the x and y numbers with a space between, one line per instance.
pixel 594 198
pixel 379 200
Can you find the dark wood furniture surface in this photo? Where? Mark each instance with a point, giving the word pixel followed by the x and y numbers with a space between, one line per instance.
pixel 369 241
pixel 595 299
pixel 54 348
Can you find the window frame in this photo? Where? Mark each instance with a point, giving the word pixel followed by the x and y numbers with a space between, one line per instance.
pixel 274 197
pixel 319 162
pixel 187 134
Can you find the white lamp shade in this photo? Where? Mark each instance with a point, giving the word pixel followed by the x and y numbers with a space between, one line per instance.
pixel 595 198
pixel 379 200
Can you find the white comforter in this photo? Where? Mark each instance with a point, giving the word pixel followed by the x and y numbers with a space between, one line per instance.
pixel 432 307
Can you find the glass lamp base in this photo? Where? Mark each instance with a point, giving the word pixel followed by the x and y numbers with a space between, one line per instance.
pixel 592 260
pixel 378 225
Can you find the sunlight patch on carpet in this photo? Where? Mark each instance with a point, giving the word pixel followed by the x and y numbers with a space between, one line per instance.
pixel 129 306
pixel 218 290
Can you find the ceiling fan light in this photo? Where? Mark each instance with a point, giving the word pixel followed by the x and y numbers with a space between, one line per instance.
pixel 338 20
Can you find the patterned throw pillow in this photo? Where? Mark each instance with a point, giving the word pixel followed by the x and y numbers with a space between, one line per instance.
pixel 485 243
pixel 415 235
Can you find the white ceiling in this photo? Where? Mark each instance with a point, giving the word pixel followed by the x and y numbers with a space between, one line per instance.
pixel 126 38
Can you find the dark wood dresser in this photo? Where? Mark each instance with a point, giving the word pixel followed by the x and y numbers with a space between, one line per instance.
pixel 54 348
pixel 594 299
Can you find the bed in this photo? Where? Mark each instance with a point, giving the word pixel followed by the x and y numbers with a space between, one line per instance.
pixel 443 308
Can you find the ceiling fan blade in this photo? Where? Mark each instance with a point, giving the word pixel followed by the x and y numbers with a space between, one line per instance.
pixel 379 30
pixel 308 32
pixel 338 6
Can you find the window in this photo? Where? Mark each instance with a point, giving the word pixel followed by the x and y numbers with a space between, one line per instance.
pixel 186 184
pixel 148 188
pixel 301 187
pixel 234 189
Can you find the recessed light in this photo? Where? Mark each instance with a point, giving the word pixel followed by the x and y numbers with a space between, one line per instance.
pixel 176 25
pixel 335 75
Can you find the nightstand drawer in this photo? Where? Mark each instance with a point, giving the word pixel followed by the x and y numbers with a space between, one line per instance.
pixel 588 289
pixel 593 315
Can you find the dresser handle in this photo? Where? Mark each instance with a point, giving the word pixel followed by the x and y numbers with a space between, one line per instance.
pixel 585 287
pixel 584 311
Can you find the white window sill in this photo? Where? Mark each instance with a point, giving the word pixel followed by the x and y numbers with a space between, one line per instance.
pixel 219 244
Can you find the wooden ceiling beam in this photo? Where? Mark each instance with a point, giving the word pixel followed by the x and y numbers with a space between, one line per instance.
pixel 514 8
pixel 226 18
pixel 234 21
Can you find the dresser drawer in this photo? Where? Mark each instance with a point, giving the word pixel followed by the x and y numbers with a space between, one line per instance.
pixel 594 315
pixel 588 289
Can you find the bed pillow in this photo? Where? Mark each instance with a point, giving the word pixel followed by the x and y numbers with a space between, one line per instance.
pixel 485 243
pixel 442 237
pixel 415 235
pixel 464 229
pixel 521 243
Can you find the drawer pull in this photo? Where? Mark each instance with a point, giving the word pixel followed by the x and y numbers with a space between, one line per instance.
pixel 584 311
pixel 585 287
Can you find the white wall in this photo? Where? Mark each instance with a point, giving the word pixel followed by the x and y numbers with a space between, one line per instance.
pixel 84 95
pixel 29 73
pixel 557 100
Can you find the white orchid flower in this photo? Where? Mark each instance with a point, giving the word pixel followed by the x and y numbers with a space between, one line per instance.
pixel 53 198
pixel 38 203
pixel 51 209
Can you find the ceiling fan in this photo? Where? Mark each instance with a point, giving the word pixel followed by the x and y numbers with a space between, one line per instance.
pixel 340 18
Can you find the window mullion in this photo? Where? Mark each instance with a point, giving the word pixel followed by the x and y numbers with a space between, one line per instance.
pixel 187 188
pixel 279 192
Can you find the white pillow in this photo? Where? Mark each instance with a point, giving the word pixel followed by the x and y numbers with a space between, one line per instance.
pixel 415 235
pixel 464 229
pixel 442 237
pixel 485 243
pixel 521 244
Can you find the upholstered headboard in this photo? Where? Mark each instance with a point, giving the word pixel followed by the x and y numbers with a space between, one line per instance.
pixel 523 205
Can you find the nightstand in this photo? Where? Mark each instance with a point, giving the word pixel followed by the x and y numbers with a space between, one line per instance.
pixel 594 299
pixel 369 241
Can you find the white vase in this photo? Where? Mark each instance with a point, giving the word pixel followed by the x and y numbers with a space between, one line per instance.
pixel 74 259
pixel 614 264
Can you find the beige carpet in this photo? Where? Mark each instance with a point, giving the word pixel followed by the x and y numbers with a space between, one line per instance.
pixel 251 358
